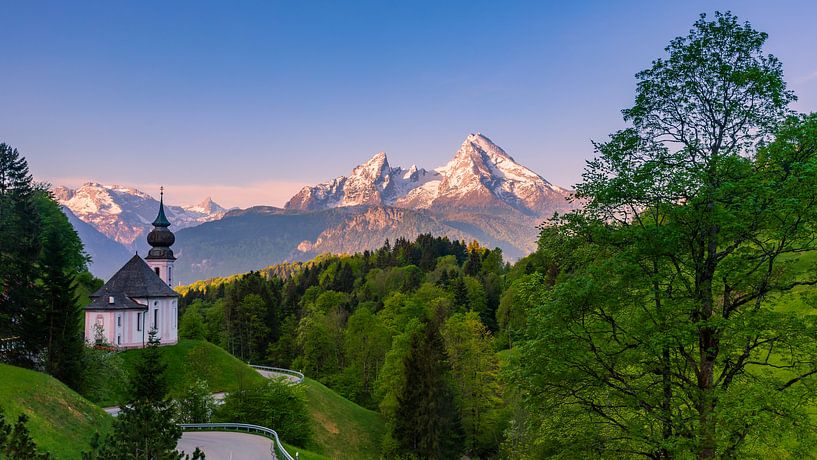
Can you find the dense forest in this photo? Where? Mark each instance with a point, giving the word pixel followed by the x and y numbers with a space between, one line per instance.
pixel 407 326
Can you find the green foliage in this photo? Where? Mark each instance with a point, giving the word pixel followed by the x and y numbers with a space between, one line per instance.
pixel 42 273
pixel 344 319
pixel 146 425
pixel 105 376
pixel 191 325
pixel 474 369
pixel 366 342
pixel 652 332
pixel 20 228
pixel 16 442
pixel 427 423
pixel 63 316
pixel 276 404
pixel 197 404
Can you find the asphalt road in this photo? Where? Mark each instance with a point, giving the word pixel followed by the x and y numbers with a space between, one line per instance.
pixel 222 445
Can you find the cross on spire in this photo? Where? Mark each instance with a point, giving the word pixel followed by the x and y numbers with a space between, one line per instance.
pixel 161 220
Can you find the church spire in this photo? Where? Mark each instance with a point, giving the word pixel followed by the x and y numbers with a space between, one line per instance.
pixel 161 219
pixel 161 238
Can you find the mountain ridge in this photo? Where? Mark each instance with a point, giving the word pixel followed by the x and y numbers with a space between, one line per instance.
pixel 480 194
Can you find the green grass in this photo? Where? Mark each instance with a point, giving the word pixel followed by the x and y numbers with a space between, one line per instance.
pixel 191 359
pixel 61 421
pixel 303 454
pixel 342 429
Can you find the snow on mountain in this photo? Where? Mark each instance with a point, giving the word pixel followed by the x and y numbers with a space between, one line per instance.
pixel 481 176
pixel 206 207
pixel 374 182
pixel 123 214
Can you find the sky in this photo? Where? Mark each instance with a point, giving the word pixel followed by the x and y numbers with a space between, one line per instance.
pixel 249 101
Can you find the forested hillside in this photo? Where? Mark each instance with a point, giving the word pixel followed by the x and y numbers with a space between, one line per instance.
pixel 407 326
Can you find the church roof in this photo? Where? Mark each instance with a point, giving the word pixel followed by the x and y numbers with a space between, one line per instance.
pixel 115 301
pixel 134 280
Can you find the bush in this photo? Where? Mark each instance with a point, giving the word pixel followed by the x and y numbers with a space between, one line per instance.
pixel 104 376
pixel 275 404
pixel 197 405
pixel 191 326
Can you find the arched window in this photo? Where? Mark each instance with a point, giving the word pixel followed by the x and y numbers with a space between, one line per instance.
pixel 157 271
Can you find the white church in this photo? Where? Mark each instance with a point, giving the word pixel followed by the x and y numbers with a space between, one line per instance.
pixel 138 298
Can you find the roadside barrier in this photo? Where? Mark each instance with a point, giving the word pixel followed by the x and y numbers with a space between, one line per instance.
pixel 299 377
pixel 279 448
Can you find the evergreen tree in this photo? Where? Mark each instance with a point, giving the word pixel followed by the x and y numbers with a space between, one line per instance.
pixel 63 314
pixel 344 280
pixel 16 442
pixel 146 427
pixel 20 314
pixel 427 422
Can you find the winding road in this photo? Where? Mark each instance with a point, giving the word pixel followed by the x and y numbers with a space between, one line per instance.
pixel 226 445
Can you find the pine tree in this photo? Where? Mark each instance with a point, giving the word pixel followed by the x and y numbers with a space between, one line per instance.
pixel 62 314
pixel 427 420
pixel 146 427
pixel 19 251
pixel 16 442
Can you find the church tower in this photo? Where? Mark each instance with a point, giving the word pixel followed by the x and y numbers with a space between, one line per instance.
pixel 160 257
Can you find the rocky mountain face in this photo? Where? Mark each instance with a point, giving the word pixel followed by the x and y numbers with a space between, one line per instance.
pixel 481 177
pixel 124 214
pixel 481 194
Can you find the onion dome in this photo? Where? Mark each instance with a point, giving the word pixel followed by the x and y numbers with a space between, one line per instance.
pixel 161 238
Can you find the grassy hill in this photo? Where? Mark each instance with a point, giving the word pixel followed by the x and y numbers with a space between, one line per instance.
pixel 61 422
pixel 191 359
pixel 342 428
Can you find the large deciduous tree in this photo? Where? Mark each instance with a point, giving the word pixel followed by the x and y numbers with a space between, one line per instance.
pixel 664 335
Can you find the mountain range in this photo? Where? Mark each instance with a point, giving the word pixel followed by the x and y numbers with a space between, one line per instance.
pixel 481 194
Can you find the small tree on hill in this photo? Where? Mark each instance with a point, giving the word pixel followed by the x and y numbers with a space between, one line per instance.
pixel 16 442
pixel 146 427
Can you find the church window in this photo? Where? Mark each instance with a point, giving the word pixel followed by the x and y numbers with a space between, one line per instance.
pixel 157 271
pixel 119 321
pixel 139 321
pixel 119 340
pixel 156 319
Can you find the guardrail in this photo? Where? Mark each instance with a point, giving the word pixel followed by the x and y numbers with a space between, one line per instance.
pixel 299 377
pixel 242 427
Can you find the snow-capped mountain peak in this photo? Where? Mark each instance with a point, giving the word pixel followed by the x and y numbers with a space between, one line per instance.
pixel 206 206
pixel 481 175
pixel 124 213
pixel 377 167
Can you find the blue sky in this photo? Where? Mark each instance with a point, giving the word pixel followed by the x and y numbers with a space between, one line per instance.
pixel 247 101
